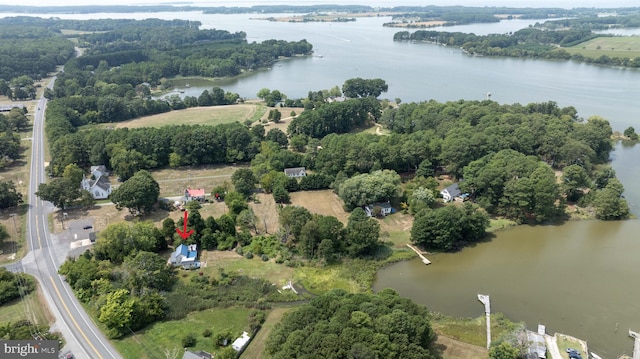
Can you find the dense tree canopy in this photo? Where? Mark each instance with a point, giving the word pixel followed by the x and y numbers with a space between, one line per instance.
pixel 9 195
pixel 342 325
pixel 59 191
pixel 369 188
pixel 138 194
pixel 359 87
pixel 449 228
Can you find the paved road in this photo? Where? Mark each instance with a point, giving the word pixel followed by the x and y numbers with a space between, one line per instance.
pixel 82 336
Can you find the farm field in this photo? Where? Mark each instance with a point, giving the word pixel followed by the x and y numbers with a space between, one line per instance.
pixel 620 46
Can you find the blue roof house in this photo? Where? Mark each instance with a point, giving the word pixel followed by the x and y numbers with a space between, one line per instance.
pixel 185 256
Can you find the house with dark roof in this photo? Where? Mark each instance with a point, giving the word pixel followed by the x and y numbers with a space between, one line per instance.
pixel 194 194
pixel 295 172
pixel 98 184
pixel 185 256
pixel 385 209
pixel 451 193
pixel 199 355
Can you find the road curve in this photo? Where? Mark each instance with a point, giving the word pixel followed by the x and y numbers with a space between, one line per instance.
pixel 82 336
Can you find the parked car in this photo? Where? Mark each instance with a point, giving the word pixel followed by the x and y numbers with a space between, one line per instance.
pixel 87 227
pixel 573 354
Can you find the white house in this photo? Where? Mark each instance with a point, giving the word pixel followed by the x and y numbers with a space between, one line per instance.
pixel 385 208
pixel 295 172
pixel 98 184
pixel 239 343
pixel 450 193
pixel 199 355
pixel 185 256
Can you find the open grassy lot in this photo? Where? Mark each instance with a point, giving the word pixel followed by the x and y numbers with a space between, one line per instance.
pixel 619 46
pixel 173 181
pixel 214 115
pixel 324 202
pixel 278 274
pixel 153 341
pixel 472 330
pixel 33 308
pixel 266 212
pixel 255 350
pixel 454 349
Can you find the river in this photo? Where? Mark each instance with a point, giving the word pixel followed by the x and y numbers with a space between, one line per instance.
pixel 578 278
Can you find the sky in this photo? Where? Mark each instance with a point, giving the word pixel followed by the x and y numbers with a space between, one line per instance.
pixel 212 3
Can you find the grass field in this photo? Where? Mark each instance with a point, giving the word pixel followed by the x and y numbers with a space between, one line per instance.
pixel 324 202
pixel 173 181
pixel 166 336
pixel 255 350
pixel 266 212
pixel 472 330
pixel 194 116
pixel 254 268
pixel 454 349
pixel 619 46
pixel 34 304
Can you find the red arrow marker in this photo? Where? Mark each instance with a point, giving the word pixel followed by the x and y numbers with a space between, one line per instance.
pixel 184 234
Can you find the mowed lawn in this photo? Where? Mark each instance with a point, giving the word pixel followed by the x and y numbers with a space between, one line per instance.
pixel 16 309
pixel 619 46
pixel 155 340
pixel 213 115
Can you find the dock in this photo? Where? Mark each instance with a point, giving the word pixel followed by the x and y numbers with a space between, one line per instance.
pixel 484 299
pixel 419 253
pixel 636 344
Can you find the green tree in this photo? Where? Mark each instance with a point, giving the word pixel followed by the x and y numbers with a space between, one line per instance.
pixel 343 325
pixel 148 271
pixel 127 162
pixel 630 132
pixel 244 181
pixel 138 194
pixel 280 194
pixel 3 234
pixel 236 203
pixel 574 179
pixel 60 192
pixel 358 87
pixel 73 173
pixel 367 188
pixel 292 219
pixel 9 196
pixel 450 227
pixel 504 350
pixel 168 228
pixel 609 203
pixel 116 313
pixel 361 234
